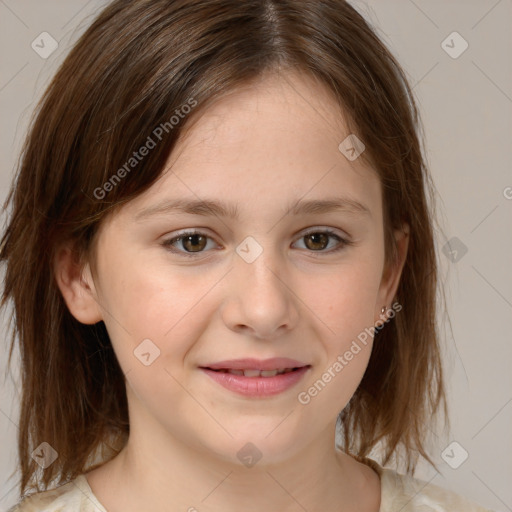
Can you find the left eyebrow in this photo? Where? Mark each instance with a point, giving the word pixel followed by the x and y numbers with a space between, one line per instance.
pixel 208 207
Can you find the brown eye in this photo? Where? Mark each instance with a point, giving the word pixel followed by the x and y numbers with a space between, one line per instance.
pixel 318 241
pixel 188 243
pixel 194 243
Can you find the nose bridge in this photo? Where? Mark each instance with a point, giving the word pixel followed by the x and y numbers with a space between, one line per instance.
pixel 263 301
pixel 259 262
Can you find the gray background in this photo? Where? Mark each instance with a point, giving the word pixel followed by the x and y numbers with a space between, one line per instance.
pixel 466 104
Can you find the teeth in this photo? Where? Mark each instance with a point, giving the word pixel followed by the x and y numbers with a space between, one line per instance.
pixel 234 372
pixel 269 373
pixel 258 373
pixel 251 373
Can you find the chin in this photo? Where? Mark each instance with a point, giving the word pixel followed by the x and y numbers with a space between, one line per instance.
pixel 255 449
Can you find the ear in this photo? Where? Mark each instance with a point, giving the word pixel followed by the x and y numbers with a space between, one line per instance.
pixel 77 286
pixel 392 273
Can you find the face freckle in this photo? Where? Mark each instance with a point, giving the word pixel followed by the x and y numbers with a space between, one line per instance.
pixel 257 151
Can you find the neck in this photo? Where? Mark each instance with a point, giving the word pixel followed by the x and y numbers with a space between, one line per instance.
pixel 158 472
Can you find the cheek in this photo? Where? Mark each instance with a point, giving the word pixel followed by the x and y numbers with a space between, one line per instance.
pixel 345 305
pixel 345 300
pixel 150 302
pixel 159 313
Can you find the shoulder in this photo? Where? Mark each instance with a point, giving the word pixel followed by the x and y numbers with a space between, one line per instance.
pixel 74 496
pixel 408 494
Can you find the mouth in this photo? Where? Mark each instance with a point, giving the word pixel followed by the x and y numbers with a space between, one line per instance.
pixel 256 373
pixel 256 378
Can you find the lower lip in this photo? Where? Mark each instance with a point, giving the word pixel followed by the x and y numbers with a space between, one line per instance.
pixel 257 386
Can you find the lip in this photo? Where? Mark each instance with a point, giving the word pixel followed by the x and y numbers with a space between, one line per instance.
pixel 257 386
pixel 275 363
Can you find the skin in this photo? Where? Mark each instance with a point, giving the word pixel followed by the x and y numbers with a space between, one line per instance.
pixel 260 147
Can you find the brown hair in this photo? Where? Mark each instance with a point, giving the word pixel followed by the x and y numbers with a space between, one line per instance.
pixel 138 64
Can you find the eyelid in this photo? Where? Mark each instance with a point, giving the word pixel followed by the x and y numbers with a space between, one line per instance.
pixel 344 239
pixel 325 229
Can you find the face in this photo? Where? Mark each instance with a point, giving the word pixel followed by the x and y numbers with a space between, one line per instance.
pixel 271 282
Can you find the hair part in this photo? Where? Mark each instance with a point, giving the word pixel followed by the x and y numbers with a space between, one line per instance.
pixel 137 64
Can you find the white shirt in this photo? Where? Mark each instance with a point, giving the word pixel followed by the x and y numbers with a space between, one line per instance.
pixel 399 493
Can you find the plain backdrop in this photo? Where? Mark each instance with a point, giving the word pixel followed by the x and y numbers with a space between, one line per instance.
pixel 466 103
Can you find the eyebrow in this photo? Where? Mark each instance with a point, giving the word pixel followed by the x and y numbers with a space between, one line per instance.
pixel 208 207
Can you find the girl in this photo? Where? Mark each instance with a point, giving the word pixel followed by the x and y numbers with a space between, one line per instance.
pixel 220 247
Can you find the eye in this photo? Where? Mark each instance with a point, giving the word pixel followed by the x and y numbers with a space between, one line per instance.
pixel 192 241
pixel 318 240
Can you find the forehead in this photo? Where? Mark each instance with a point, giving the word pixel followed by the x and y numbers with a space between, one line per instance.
pixel 272 142
pixel 271 109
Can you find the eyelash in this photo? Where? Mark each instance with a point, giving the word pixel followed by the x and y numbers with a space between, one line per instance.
pixel 168 243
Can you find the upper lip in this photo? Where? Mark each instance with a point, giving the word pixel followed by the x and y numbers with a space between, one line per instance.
pixel 274 363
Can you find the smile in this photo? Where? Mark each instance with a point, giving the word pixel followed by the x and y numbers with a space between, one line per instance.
pixel 257 383
pixel 257 373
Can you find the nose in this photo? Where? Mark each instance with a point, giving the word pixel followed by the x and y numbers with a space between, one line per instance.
pixel 260 299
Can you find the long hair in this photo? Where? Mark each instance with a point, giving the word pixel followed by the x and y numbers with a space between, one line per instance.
pixel 133 71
